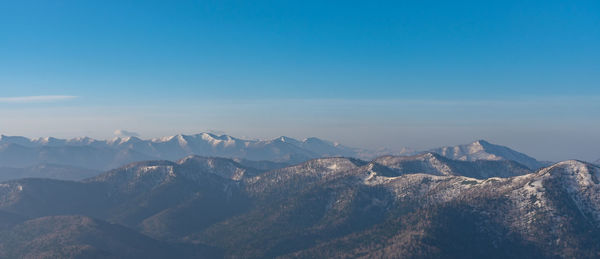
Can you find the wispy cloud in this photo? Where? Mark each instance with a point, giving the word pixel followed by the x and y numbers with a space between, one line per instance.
pixel 125 133
pixel 36 99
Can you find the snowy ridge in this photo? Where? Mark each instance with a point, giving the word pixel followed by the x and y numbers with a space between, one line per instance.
pixel 122 150
pixel 434 164
pixel 536 196
pixel 529 193
pixel 425 163
pixel 94 154
pixel 312 171
pixel 582 182
pixel 144 176
pixel 225 168
pixel 552 207
pixel 318 167
pixel 425 188
pixel 138 177
pixel 483 150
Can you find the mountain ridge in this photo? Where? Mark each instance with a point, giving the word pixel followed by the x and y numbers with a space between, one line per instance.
pixel 101 155
pixel 483 150
pixel 123 150
pixel 313 208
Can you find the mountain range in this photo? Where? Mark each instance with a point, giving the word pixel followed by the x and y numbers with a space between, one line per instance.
pixel 421 206
pixel 107 154
pixel 91 154
pixel 288 198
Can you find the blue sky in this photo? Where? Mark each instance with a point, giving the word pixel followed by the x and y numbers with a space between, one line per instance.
pixel 365 73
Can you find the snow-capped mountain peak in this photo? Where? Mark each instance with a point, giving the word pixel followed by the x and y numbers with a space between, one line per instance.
pixel 49 141
pixel 585 174
pixel 484 150
pixel 129 140
pixel 289 140
pixel 81 141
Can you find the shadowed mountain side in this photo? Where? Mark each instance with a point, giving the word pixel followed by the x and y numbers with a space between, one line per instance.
pixel 52 171
pixel 334 207
pixel 83 237
pixel 92 158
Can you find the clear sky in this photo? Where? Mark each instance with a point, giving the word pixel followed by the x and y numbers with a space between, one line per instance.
pixel 365 73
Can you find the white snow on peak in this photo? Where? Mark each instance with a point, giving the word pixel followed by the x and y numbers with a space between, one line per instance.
pixel 214 140
pixel 163 139
pixel 182 141
pixel 82 140
pixel 586 175
pixel 124 140
pixel 483 150
pixel 579 179
pixel 207 136
pixel 43 140
pixel 531 192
